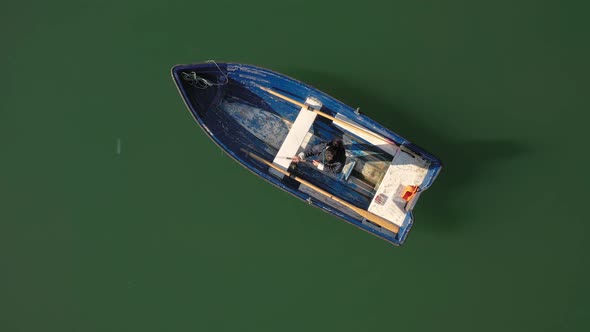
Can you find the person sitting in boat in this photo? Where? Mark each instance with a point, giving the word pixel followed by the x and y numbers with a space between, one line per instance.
pixel 331 156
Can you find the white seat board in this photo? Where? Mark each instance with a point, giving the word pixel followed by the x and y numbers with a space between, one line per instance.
pixel 297 135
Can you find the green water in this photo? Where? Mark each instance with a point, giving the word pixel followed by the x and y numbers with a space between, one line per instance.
pixel 118 214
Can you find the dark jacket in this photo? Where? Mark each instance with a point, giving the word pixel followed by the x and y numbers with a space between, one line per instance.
pixel 335 166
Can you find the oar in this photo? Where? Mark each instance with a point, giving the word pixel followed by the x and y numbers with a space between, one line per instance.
pixel 366 214
pixel 335 120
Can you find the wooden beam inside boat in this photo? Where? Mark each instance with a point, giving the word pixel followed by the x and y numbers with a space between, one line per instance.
pixel 335 120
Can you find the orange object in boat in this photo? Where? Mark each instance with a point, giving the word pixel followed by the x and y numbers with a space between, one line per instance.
pixel 409 192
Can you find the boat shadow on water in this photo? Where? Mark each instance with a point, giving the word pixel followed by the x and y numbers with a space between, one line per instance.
pixel 467 163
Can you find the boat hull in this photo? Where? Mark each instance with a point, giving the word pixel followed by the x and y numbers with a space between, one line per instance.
pixel 229 104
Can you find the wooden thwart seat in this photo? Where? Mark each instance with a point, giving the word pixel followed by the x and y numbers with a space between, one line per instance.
pixel 296 136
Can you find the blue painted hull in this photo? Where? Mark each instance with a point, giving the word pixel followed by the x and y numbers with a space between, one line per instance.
pixel 237 115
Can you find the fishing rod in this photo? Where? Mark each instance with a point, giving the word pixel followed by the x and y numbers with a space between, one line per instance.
pixel 300 160
pixel 309 161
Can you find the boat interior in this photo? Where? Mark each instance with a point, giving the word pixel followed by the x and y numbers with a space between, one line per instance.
pixel 232 106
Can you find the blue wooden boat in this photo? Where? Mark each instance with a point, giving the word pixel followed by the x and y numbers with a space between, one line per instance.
pixel 262 118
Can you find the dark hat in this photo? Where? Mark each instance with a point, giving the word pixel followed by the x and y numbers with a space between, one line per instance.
pixel 337 142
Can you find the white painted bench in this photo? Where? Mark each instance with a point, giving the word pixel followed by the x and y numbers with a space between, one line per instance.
pixel 405 170
pixel 296 136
